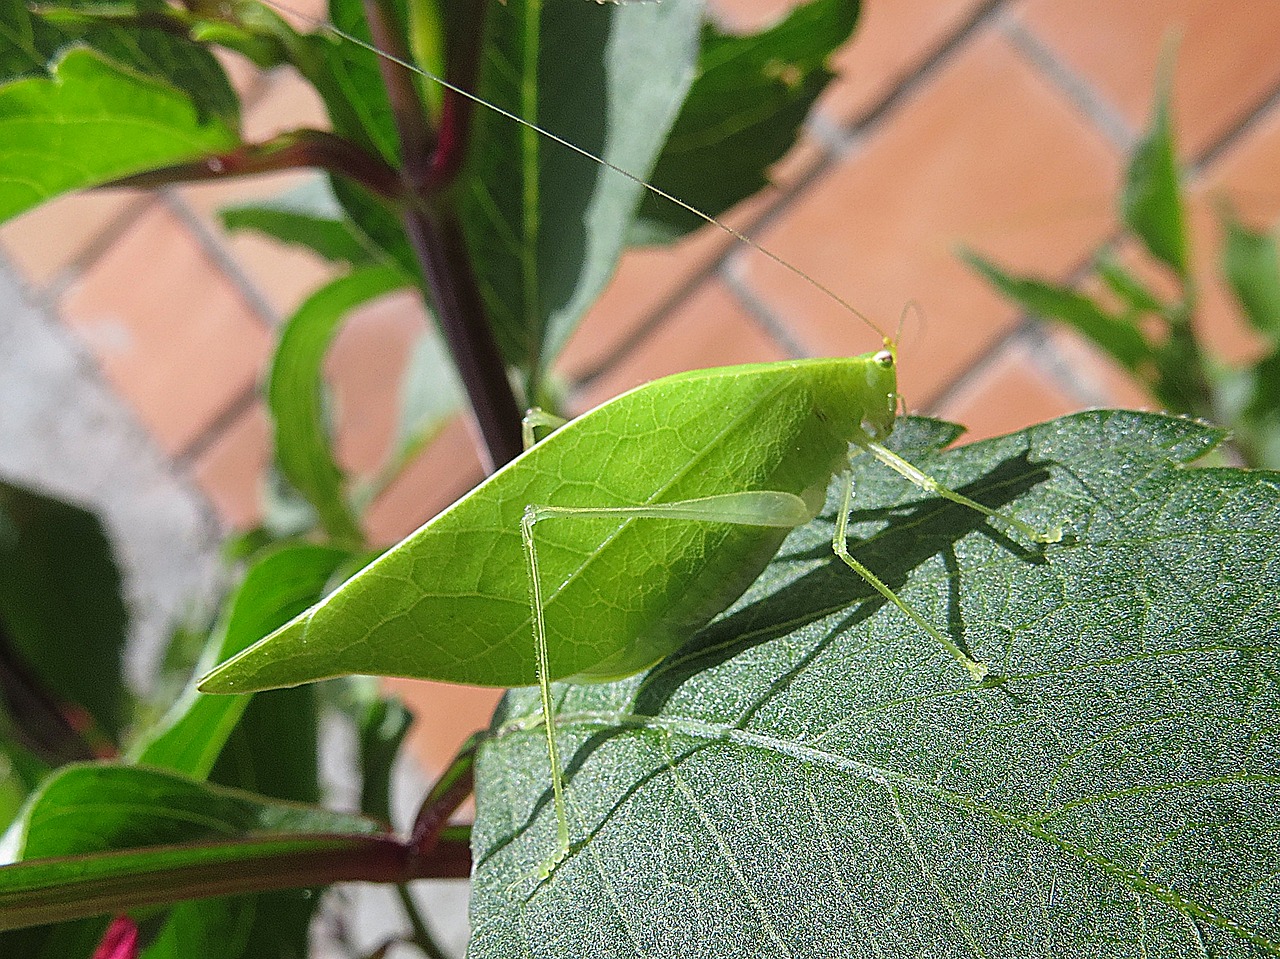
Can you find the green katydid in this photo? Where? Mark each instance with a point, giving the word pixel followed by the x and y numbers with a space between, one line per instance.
pixel 637 559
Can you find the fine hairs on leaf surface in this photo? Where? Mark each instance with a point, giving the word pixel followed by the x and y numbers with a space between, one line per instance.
pixel 810 776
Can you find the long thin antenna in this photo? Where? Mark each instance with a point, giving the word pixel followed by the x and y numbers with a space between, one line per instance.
pixel 544 132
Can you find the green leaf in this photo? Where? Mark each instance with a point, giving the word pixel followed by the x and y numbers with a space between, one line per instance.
pixel 61 604
pixel 276 588
pixel 92 122
pixel 104 838
pixel 743 113
pixel 348 78
pixel 1252 268
pixel 1137 297
pixel 1152 200
pixel 29 46
pixel 382 728
pixel 812 776
pixel 309 217
pixel 545 225
pixel 296 393
pixel 1117 335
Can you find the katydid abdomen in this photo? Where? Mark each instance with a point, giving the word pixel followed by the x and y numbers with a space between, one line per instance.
pixel 451 602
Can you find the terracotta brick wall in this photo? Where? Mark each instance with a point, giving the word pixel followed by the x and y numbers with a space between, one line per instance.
pixel 1000 125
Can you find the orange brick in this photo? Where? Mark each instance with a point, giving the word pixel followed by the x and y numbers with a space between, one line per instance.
pixel 986 155
pixel 173 336
pixel 285 275
pixel 1007 394
pixel 712 329
pixel 446 470
pixel 1228 56
pixel 445 715
pixel 50 239
pixel 365 367
pixel 648 280
pixel 231 471
pixel 892 40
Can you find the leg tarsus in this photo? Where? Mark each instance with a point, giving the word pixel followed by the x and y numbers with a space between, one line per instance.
pixel 534 419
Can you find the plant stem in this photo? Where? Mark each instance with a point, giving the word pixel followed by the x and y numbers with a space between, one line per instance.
pixel 288 151
pixel 438 242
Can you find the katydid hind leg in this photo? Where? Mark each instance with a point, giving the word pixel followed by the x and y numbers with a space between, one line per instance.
pixel 840 546
pixel 766 508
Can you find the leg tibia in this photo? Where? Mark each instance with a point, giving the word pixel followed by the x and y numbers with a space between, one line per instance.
pixel 839 546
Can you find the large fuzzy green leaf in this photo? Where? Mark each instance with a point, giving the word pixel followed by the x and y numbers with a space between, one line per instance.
pixel 812 776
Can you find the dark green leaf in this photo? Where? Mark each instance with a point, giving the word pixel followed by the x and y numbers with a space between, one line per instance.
pixel 61 607
pixel 29 46
pixel 1117 335
pixel 308 217
pixel 383 726
pixel 348 78
pixel 92 122
pixel 277 587
pixel 812 776
pixel 296 393
pixel 1252 268
pixel 124 837
pixel 743 113
pixel 546 225
pixel 1152 201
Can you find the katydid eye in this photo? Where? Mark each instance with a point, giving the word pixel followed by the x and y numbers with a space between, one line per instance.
pixel 884 358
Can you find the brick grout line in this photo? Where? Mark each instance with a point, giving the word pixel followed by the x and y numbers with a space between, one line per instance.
pixel 1082 95
pixel 759 312
pixel 203 441
pixel 92 251
pixel 930 64
pixel 1074 381
pixel 216 250
pixel 1197 166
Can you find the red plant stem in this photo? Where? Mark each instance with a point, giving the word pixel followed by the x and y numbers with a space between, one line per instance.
pixel 288 151
pixel 381 859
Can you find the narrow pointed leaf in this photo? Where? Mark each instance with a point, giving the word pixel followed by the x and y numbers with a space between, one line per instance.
pixel 1117 335
pixel 308 217
pixel 1152 200
pixel 296 394
pixel 1251 265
